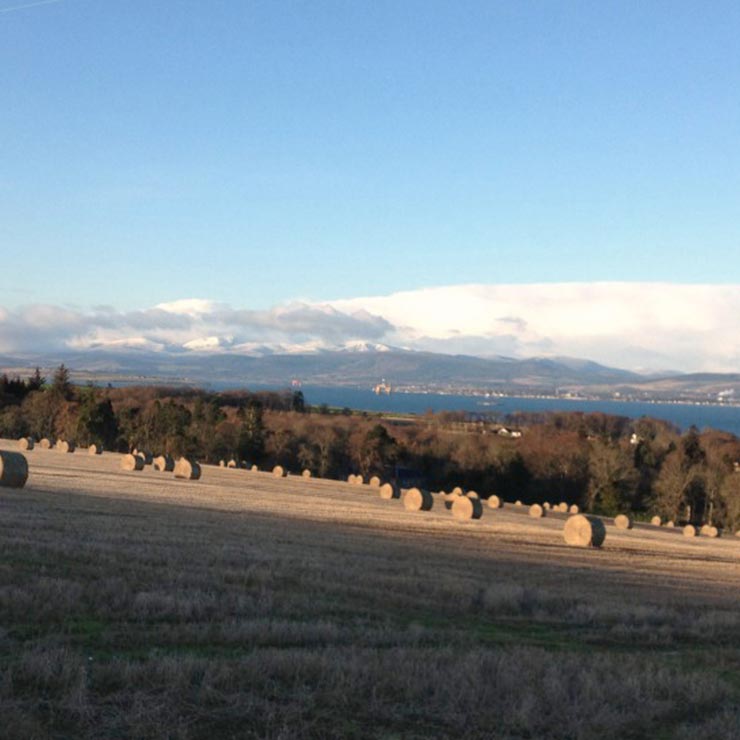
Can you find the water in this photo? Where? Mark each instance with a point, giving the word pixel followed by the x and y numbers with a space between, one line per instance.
pixel 683 416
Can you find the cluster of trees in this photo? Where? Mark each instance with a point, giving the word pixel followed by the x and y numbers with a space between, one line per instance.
pixel 605 464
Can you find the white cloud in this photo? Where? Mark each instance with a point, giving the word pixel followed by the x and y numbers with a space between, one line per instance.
pixel 633 325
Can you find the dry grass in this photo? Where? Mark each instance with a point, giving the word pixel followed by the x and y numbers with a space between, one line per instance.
pixel 136 605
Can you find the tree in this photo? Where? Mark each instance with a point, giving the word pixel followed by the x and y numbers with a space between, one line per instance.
pixel 251 438
pixel 96 422
pixel 60 385
pixel 298 402
pixel 377 451
pixel 37 381
pixel 612 478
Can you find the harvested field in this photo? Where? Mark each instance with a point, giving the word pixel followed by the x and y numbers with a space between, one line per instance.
pixel 134 604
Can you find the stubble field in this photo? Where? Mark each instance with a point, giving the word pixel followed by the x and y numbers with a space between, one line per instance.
pixel 134 605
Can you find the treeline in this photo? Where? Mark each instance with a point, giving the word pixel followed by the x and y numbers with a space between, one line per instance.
pixel 605 464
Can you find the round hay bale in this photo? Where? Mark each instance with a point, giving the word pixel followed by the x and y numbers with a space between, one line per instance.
pixel 306 473
pixel 546 506
pixel 254 469
pixel 374 482
pixel 670 524
pixel 389 491
pixel 147 456
pixel 581 530
pixel 164 463
pixel 713 532
pixel 13 470
pixel 351 478
pixel 457 491
pixel 689 530
pixel 416 499
pixel 656 521
pixel 186 470
pixel 132 462
pixel 704 530
pixel 563 507
pixel 472 494
pixel 624 521
pixel 64 446
pixel 25 443
pixel 465 507
pixel 536 511
pixel 278 471
pixel 495 502
pixel 518 503
pixel 574 509
pixel 45 444
pixel 231 464
pixel 222 463
pixel 95 450
pixel 737 534
pixel 359 480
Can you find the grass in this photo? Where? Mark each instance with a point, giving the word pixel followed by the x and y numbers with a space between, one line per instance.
pixel 136 607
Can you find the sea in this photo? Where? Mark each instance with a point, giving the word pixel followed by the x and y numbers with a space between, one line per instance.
pixel 683 415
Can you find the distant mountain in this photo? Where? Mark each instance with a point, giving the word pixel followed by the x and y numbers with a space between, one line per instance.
pixel 361 364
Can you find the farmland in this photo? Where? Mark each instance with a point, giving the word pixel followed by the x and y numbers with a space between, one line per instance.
pixel 243 605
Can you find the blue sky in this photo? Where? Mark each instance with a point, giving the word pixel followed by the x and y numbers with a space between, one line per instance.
pixel 260 152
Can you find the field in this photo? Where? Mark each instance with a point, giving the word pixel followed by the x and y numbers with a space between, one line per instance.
pixel 134 605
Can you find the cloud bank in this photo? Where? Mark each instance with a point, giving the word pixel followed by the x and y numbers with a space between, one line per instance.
pixel 640 326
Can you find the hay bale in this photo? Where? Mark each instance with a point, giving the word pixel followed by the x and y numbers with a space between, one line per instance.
pixel 574 509
pixel 704 530
pixel 148 457
pixel 13 470
pixel 689 530
pixel 222 463
pixel 495 502
pixel 389 491
pixel 536 511
pixel 624 521
pixel 351 478
pixel 737 534
pixel 306 473
pixel 656 521
pixel 374 482
pixel 546 506
pixel 465 507
pixel 186 470
pixel 164 463
pixel 518 503
pixel 278 471
pixel 416 499
pixel 713 532
pixel 563 507
pixel 231 464
pixel 132 462
pixel 45 444
pixel 670 524
pixel 95 450
pixel 64 446
pixel 359 480
pixel 25 443
pixel 457 491
pixel 472 494
pixel 254 469
pixel 581 530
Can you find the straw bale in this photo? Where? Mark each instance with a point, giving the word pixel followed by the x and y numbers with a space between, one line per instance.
pixel 581 530
pixel 416 499
pixel 13 470
pixel 656 521
pixel 472 494
pixel 95 450
pixel 563 507
pixel 536 511
pixel 574 509
pixel 132 462
pixel 278 471
pixel 374 482
pixel 306 473
pixel 64 446
pixel 25 443
pixel 457 491
pixel 495 502
pixel 465 507
pixel 231 464
pixel 45 444
pixel 389 491
pixel 689 530
pixel 164 463
pixel 187 470
pixel 624 521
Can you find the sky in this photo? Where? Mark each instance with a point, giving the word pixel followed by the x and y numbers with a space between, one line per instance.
pixel 269 155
